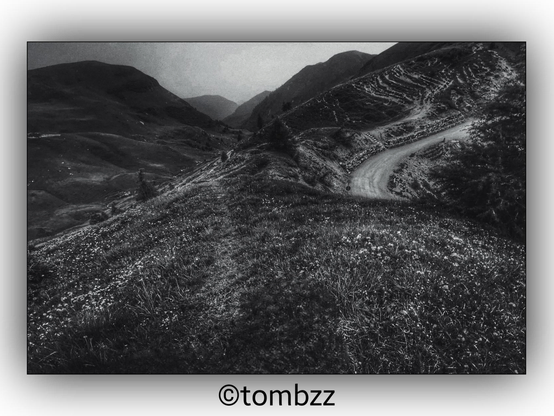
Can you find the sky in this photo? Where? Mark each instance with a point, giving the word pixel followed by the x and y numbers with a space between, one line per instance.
pixel 236 71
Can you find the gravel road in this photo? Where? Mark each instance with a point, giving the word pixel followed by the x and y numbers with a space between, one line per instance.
pixel 371 178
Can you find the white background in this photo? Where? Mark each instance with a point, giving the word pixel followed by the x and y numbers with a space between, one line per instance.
pixel 283 20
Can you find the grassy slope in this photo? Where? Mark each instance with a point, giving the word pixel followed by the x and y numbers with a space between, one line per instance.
pixel 251 275
pixel 104 123
pixel 82 172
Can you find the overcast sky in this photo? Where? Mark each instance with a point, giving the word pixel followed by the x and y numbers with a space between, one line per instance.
pixel 237 71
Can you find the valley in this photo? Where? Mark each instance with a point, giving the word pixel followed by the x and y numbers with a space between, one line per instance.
pixel 366 217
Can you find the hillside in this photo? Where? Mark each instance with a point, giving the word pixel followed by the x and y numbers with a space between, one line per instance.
pixel 447 81
pixel 215 106
pixel 91 126
pixel 244 110
pixel 94 96
pixel 402 51
pixel 309 82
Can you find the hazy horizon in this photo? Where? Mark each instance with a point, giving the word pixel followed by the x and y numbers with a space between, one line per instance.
pixel 236 71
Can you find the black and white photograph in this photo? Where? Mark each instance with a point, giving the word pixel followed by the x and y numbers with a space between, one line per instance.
pixel 314 208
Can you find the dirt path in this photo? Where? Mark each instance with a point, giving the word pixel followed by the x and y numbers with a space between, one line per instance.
pixel 371 178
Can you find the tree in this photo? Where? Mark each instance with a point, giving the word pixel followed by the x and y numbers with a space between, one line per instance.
pixel 145 189
pixel 260 121
pixel 286 106
pixel 280 137
pixel 486 177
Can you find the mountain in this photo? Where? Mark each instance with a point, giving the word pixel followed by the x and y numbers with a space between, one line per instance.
pixel 310 81
pixel 216 106
pixel 91 127
pixel 244 110
pixel 94 96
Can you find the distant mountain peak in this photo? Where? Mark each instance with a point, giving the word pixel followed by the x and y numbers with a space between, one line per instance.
pixel 244 110
pixel 215 106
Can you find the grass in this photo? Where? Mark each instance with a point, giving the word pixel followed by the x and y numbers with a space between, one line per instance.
pixel 251 275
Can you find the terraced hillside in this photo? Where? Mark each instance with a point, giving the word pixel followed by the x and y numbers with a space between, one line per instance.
pixel 450 81
pixel 402 51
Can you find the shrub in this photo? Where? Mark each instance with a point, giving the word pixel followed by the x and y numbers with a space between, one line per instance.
pixel 98 217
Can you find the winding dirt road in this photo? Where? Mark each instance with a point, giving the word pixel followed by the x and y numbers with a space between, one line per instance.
pixel 371 178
